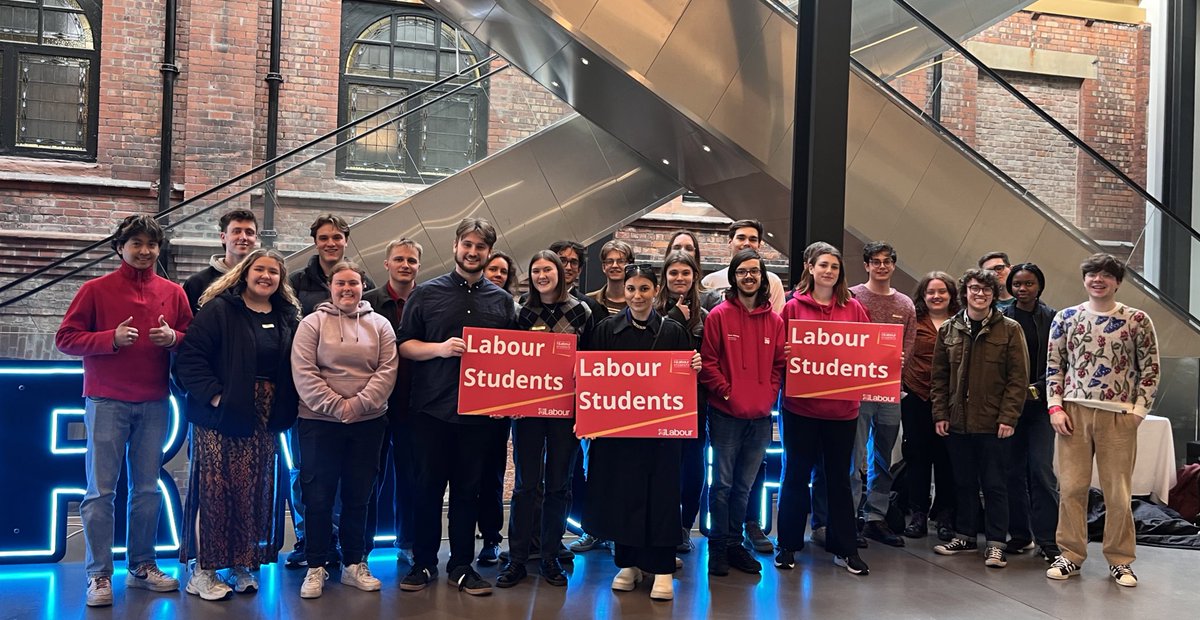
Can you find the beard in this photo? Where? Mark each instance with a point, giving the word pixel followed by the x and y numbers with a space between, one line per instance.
pixel 458 261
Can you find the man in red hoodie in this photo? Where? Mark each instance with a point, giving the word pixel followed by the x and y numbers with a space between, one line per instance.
pixel 742 357
pixel 125 325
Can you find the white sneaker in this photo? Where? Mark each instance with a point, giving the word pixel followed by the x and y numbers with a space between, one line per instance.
pixel 99 591
pixel 208 586
pixel 626 579
pixel 147 576
pixel 1123 575
pixel 242 580
pixel 663 589
pixel 359 576
pixel 314 583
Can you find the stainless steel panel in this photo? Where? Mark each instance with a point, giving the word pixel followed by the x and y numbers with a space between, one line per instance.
pixel 1003 224
pixel 439 208
pixel 701 56
pixel 471 13
pixel 941 210
pixel 864 104
pixel 506 29
pixel 520 201
pixel 779 165
pixel 633 32
pixel 569 13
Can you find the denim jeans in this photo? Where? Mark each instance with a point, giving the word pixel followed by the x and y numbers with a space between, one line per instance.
pixel 1032 485
pixel 738 449
pixel 878 428
pixel 113 428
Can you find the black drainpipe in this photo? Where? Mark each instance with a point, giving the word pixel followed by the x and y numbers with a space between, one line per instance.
pixel 169 72
pixel 935 102
pixel 274 79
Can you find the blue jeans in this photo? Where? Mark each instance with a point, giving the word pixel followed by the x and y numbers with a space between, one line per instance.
pixel 122 433
pixel 878 428
pixel 738 448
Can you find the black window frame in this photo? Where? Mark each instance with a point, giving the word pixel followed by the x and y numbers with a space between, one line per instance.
pixel 357 16
pixel 10 52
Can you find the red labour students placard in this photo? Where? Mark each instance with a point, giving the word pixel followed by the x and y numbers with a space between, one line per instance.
pixel 635 394
pixel 844 361
pixel 516 373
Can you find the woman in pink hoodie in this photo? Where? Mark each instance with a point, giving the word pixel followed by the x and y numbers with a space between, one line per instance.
pixel 819 430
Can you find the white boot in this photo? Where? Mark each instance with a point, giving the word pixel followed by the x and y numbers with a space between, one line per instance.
pixel 663 589
pixel 626 579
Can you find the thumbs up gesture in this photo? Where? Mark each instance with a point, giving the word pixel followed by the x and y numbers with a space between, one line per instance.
pixel 125 335
pixel 162 334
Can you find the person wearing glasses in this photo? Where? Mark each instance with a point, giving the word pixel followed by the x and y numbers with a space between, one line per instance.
pixel 614 256
pixel 638 479
pixel 997 263
pixel 980 378
pixel 1032 486
pixel 574 259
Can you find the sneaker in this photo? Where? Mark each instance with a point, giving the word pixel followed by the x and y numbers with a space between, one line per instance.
pixel 314 582
pixel 663 588
pixel 818 536
pixel 242 580
pixel 147 576
pixel 469 581
pixel 994 557
pixel 740 558
pixel 718 560
pixel 552 571
pixel 565 554
pixel 99 591
pixel 956 546
pixel 685 545
pixel 584 543
pixel 1123 574
pixel 511 575
pixel 757 540
pixel 626 579
pixel 418 578
pixel 860 541
pixel 359 575
pixel 853 564
pixel 208 586
pixel 879 530
pixel 1017 547
pixel 489 555
pixel 297 558
pixel 405 556
pixel 785 559
pixel 918 527
pixel 1062 568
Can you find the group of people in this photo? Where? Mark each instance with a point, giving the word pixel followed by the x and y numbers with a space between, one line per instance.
pixel 364 380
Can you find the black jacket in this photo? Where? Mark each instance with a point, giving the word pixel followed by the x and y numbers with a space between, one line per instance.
pixel 218 356
pixel 1042 316
pixel 312 287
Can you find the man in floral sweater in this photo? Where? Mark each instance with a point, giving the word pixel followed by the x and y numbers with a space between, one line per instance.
pixel 1102 374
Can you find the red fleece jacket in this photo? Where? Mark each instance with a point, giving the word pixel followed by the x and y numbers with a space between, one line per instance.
pixel 136 373
pixel 805 307
pixel 742 359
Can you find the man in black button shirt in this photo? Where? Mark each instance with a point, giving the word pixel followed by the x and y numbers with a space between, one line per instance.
pixel 448 447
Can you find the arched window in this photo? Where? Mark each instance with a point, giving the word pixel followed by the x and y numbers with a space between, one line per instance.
pixel 389 51
pixel 49 77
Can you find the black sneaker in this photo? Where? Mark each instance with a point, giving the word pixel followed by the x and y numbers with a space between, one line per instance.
pixel 918 527
pixel 741 559
pixel 489 555
pixel 994 557
pixel 718 560
pixel 756 538
pixel 853 564
pixel 879 530
pixel 584 543
pixel 565 554
pixel 418 578
pixel 860 541
pixel 469 581
pixel 956 546
pixel 511 575
pixel 552 571
pixel 785 559
pixel 685 542
pixel 297 558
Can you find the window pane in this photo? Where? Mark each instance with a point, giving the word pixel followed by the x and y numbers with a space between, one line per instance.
pixel 448 135
pixel 414 64
pixel 63 4
pixel 413 29
pixel 367 59
pixel 382 150
pixel 66 30
pixel 52 102
pixel 379 31
pixel 18 24
pixel 454 62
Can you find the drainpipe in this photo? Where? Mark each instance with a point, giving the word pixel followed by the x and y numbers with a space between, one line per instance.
pixel 169 72
pixel 274 79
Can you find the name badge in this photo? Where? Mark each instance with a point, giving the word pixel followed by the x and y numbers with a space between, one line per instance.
pixel 268 326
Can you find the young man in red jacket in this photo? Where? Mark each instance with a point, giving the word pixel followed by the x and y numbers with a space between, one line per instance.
pixel 742 367
pixel 125 325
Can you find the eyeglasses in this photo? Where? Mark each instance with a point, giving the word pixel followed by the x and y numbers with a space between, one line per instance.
pixel 742 273
pixel 976 289
pixel 997 268
pixel 570 262
pixel 613 262
pixel 887 262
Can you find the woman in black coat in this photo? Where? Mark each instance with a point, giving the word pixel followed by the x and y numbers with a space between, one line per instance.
pixel 235 366
pixel 638 479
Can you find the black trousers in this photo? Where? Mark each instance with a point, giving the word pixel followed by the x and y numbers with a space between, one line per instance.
pixel 806 442
pixel 396 454
pixel 544 454
pixel 653 560
pixel 447 454
pixel 980 460
pixel 491 487
pixel 1032 485
pixel 925 451
pixel 333 454
pixel 692 472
